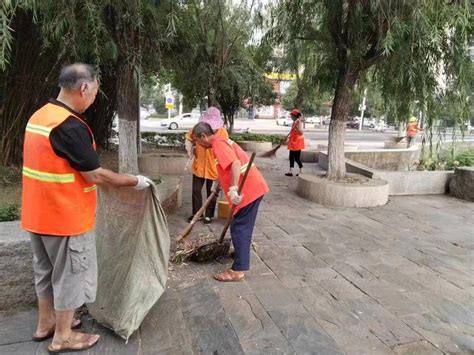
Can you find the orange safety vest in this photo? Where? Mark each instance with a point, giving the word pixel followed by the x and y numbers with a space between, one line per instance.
pixel 296 139
pixel 204 160
pixel 255 186
pixel 412 129
pixel 56 199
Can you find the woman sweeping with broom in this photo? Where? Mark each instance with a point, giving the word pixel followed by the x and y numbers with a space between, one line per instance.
pixel 231 163
pixel 295 142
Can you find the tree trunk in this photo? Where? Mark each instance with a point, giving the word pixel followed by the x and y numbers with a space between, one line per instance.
pixel 337 127
pixel 25 85
pixel 128 113
pixel 231 123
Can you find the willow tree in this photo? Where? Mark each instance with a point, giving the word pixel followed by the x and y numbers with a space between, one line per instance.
pixel 107 33
pixel 211 56
pixel 414 40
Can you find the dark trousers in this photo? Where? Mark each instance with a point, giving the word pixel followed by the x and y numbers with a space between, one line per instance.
pixel 410 141
pixel 295 155
pixel 198 182
pixel 241 231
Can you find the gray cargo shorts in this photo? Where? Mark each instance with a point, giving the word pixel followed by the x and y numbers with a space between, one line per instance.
pixel 65 269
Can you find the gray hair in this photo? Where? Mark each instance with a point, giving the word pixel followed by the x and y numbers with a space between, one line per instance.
pixel 202 128
pixel 74 75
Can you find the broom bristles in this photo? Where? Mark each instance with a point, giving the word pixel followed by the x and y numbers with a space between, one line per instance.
pixel 170 202
pixel 271 152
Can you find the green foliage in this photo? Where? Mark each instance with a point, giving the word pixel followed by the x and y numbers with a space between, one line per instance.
pixel 274 138
pixel 210 56
pixel 311 104
pixel 403 45
pixel 165 139
pixel 447 162
pixel 178 139
pixel 9 213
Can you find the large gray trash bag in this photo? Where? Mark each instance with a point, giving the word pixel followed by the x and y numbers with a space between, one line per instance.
pixel 133 248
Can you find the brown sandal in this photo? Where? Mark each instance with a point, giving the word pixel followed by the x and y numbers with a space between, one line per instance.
pixel 229 276
pixel 50 333
pixel 70 345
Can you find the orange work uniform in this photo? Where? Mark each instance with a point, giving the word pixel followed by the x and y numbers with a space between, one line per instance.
pixel 296 138
pixel 204 160
pixel 226 152
pixel 56 199
pixel 412 129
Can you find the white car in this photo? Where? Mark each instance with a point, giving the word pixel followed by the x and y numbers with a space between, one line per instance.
pixel 379 127
pixel 327 120
pixel 186 120
pixel 284 121
pixel 313 119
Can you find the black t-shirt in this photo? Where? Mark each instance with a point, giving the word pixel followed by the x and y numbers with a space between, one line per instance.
pixel 72 141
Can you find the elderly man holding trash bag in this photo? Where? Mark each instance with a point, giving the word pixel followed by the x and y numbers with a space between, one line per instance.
pixel 231 163
pixel 204 166
pixel 60 172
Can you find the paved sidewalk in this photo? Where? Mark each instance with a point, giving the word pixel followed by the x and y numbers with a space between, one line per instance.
pixel 396 279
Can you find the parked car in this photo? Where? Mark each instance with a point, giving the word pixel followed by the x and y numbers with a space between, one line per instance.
pixel 186 120
pixel 284 121
pixel 313 119
pixel 353 124
pixel 379 127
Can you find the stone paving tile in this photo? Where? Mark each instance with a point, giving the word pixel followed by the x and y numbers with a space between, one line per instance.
pixel 395 279
pixel 418 348
pixel 357 340
pixel 443 336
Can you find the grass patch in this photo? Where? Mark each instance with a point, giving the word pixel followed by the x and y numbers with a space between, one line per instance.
pixel 274 138
pixel 9 213
pixel 446 162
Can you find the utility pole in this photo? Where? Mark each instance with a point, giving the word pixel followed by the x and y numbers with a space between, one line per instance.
pixel 169 95
pixel 362 109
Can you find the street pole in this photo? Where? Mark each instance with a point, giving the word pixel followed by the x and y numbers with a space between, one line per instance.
pixel 362 110
pixel 180 109
pixel 169 95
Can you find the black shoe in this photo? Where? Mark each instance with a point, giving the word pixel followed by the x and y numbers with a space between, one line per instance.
pixel 289 174
pixel 207 220
pixel 191 218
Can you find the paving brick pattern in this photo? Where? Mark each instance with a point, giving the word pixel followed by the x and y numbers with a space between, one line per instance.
pixel 396 279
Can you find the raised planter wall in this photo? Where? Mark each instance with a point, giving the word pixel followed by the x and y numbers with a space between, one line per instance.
pixel 255 147
pixel 369 194
pixel 400 182
pixel 386 159
pixel 17 286
pixel 309 156
pixel 462 184
pixel 156 164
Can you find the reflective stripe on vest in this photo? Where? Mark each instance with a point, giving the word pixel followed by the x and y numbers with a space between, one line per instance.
pixel 91 188
pixel 48 177
pixel 34 128
pixel 244 167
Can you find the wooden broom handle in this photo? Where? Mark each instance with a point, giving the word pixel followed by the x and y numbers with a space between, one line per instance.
pixel 198 214
pixel 231 214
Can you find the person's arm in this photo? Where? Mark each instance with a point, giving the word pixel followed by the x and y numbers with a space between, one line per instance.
pixel 235 169
pixel 299 127
pixel 189 148
pixel 189 144
pixel 105 177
